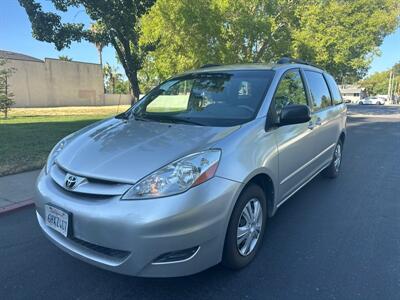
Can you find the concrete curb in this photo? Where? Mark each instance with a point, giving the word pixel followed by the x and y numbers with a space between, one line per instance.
pixel 16 206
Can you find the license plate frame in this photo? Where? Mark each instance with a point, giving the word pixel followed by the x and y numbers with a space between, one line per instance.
pixel 58 219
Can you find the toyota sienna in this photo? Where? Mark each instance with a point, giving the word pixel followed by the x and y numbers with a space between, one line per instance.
pixel 188 176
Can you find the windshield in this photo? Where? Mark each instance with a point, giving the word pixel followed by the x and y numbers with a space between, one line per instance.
pixel 208 99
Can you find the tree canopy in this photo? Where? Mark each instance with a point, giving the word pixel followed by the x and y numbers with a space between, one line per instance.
pixel 343 36
pixel 65 58
pixel 119 20
pixel 114 81
pixel 378 83
pixel 156 39
pixel 340 36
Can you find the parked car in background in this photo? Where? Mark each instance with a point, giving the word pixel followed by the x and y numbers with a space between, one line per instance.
pixel 372 101
pixel 188 177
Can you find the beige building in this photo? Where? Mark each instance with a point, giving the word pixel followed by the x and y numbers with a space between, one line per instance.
pixel 54 82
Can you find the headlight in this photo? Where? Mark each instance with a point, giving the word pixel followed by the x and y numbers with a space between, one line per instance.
pixel 55 152
pixel 177 177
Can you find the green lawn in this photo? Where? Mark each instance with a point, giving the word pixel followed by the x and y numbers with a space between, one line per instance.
pixel 28 135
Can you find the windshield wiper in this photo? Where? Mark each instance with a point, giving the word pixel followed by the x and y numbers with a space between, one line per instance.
pixel 142 118
pixel 175 119
pixel 165 118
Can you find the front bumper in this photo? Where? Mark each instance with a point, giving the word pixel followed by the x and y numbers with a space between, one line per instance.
pixel 128 236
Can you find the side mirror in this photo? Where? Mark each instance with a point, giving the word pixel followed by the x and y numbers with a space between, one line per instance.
pixel 294 114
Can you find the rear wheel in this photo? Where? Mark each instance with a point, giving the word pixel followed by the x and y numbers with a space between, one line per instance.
pixel 333 169
pixel 246 228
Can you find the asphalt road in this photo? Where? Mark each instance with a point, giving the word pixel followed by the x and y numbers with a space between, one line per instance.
pixel 335 239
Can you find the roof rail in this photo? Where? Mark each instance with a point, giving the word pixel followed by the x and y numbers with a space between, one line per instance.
pixel 209 66
pixel 289 60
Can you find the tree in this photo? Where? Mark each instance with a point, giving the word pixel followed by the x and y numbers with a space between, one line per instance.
pixel 6 96
pixel 338 35
pixel 65 58
pixel 396 69
pixel 377 83
pixel 120 19
pixel 343 36
pixel 114 82
pixel 99 38
pixel 193 33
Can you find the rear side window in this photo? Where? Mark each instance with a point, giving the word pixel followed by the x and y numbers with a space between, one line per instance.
pixel 290 91
pixel 319 90
pixel 335 92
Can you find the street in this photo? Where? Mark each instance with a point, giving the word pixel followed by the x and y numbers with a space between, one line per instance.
pixel 334 239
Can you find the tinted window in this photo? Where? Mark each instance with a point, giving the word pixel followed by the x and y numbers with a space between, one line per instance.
pixel 319 90
pixel 290 91
pixel 211 99
pixel 337 97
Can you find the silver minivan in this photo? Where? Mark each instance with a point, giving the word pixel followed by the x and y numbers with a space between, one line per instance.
pixel 188 177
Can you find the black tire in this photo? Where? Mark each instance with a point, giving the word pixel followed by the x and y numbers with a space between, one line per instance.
pixel 332 171
pixel 360 103
pixel 231 256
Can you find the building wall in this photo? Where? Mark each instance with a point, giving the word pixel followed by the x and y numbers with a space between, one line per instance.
pixel 56 83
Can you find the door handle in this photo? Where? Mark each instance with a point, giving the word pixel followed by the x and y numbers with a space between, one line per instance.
pixel 318 122
pixel 311 125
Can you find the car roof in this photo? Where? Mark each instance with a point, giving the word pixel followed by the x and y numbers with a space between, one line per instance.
pixel 255 66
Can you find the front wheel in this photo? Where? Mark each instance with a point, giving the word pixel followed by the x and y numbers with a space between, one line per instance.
pixel 333 169
pixel 246 228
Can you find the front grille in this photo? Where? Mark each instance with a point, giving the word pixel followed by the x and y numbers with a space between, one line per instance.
pixel 91 186
pixel 115 253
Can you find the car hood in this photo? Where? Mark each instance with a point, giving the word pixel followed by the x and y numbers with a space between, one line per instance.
pixel 126 151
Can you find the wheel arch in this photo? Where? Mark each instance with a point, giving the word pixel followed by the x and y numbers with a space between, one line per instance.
pixel 266 183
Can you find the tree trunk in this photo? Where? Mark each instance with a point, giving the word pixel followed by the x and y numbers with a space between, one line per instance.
pixel 133 79
pixel 100 49
pixel 101 56
pixel 129 64
pixel 113 84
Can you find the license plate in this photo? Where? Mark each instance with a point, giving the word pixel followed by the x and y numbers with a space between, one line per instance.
pixel 57 219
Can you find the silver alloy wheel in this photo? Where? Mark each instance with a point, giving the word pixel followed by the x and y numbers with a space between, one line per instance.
pixel 249 227
pixel 337 157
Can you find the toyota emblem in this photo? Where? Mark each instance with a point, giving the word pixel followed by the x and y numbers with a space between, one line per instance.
pixel 70 182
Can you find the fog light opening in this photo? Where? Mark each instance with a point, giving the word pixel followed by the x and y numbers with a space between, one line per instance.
pixel 176 256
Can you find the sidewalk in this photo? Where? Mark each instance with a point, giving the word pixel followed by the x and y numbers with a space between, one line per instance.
pixel 17 190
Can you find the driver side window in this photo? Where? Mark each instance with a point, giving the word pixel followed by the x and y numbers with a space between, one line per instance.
pixel 290 91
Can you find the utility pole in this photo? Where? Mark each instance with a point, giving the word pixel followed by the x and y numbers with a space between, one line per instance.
pixel 393 90
pixel 389 87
